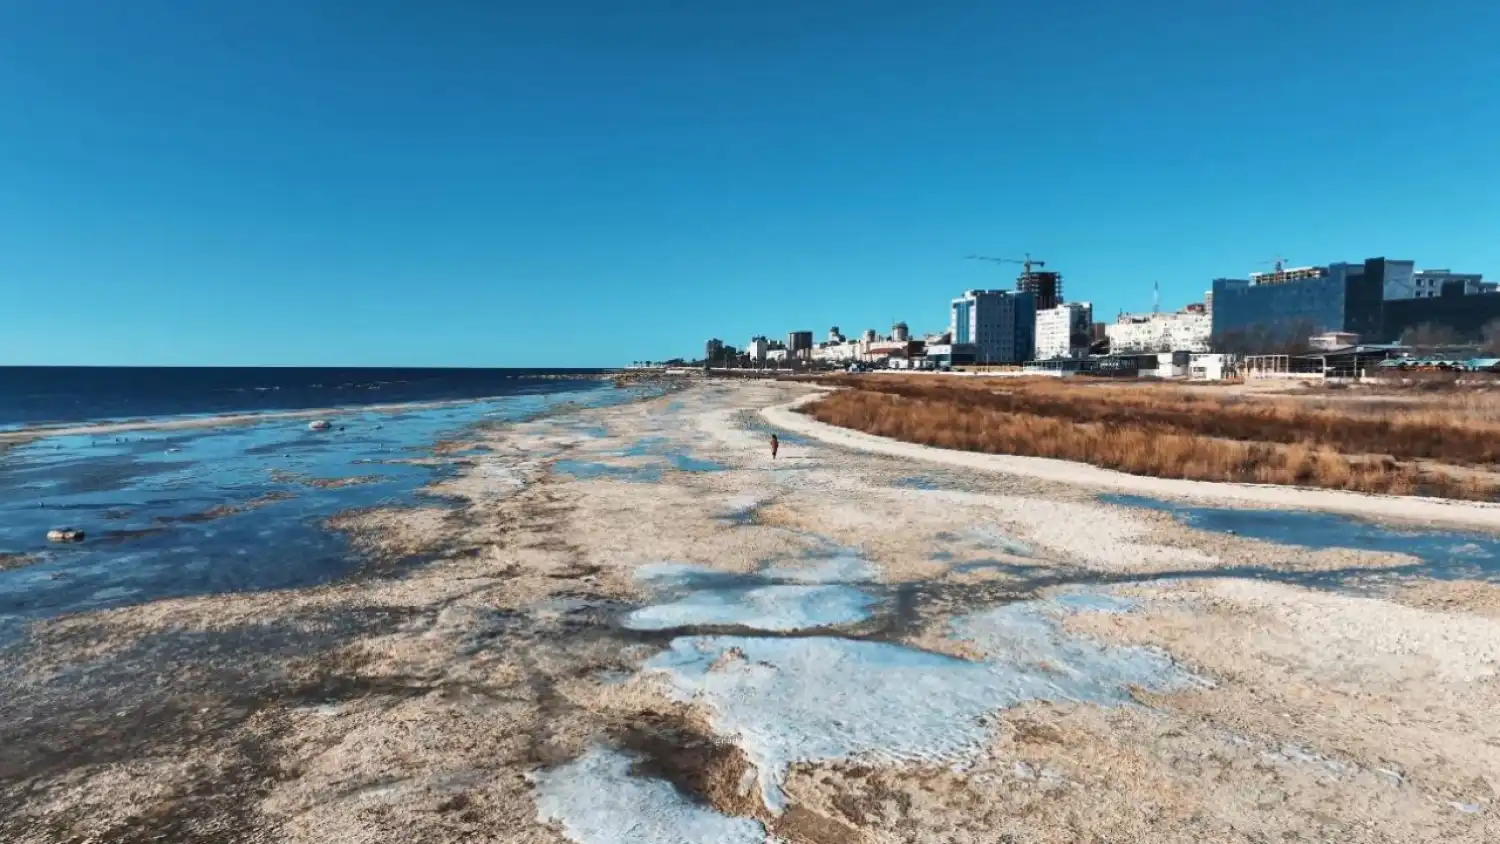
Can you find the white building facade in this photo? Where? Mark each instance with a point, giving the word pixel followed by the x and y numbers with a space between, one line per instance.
pixel 1064 331
pixel 836 352
pixel 1184 331
pixel 1211 367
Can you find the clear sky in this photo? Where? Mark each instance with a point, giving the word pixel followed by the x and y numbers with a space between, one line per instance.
pixel 588 182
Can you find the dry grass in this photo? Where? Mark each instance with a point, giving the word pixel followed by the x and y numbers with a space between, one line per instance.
pixel 1165 432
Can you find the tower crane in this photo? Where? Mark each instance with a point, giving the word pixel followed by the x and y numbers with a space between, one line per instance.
pixel 1026 263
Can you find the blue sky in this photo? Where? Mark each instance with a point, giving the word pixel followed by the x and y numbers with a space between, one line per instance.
pixel 374 182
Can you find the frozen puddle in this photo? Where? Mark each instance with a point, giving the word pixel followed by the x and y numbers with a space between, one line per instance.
pixel 831 564
pixel 773 608
pixel 704 597
pixel 597 801
pixel 790 700
pixel 987 538
pixel 990 537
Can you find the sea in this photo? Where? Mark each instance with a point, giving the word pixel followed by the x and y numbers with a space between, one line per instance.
pixel 173 512
pixel 33 395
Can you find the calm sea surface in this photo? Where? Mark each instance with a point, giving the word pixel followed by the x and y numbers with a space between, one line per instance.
pixel 32 395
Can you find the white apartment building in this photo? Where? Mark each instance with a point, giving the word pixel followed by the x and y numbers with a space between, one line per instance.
pixel 757 349
pixel 1184 331
pixel 1064 331
pixel 836 352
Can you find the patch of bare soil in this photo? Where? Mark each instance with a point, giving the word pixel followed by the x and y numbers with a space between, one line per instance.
pixel 1067 774
pixel 1468 596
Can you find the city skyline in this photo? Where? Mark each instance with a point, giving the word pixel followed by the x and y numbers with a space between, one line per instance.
pixel 521 184
pixel 1419 274
pixel 1377 300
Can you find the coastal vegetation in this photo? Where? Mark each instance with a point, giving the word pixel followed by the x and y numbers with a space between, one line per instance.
pixel 1446 446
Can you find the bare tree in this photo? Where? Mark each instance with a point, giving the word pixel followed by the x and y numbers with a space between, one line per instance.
pixel 1288 339
pixel 1489 338
pixel 1429 336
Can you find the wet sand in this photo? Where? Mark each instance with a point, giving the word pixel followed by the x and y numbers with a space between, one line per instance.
pixel 632 618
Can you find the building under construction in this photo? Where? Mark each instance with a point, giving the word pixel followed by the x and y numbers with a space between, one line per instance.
pixel 1045 288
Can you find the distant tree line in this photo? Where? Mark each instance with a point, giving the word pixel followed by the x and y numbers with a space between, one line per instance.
pixel 1432 338
pixel 1289 339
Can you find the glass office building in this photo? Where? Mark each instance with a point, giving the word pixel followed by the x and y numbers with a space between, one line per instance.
pixel 1345 297
pixel 1466 315
pixel 1000 325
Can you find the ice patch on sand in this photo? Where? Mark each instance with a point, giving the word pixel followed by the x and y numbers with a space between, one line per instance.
pixel 740 508
pixel 992 538
pixel 776 608
pixel 597 801
pixel 694 596
pixel 833 565
pixel 790 700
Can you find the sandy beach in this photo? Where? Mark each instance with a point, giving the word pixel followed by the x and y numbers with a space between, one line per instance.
pixel 631 624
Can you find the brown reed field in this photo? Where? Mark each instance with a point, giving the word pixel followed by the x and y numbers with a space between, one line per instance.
pixel 1442 445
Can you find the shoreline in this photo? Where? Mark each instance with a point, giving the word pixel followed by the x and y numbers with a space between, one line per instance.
pixel 17 436
pixel 633 618
pixel 1392 508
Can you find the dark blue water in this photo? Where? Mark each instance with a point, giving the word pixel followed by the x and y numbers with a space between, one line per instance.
pixel 31 395
pixel 221 509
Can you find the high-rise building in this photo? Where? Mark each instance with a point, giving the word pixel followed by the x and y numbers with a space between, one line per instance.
pixel 799 344
pixel 1308 300
pixel 757 349
pixel 1045 288
pixel 999 324
pixel 1065 331
pixel 713 350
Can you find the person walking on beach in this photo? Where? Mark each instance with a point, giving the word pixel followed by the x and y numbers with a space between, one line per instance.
pixel 775 444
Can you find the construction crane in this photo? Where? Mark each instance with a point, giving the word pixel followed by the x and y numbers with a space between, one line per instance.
pixel 1278 262
pixel 1026 262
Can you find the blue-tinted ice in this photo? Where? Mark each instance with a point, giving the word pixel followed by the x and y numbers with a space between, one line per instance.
pixel 1444 554
pixel 674 454
pixel 597 800
pixel 789 700
pixel 777 598
pixel 779 607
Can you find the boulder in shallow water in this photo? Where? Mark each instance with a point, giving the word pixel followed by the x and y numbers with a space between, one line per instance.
pixel 64 535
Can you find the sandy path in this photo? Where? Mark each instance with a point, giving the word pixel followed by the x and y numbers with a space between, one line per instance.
pixel 633 619
pixel 1432 511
